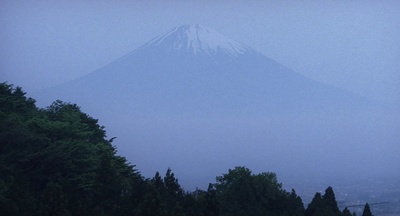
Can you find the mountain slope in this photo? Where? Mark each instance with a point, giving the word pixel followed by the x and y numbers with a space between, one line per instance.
pixel 192 98
pixel 192 68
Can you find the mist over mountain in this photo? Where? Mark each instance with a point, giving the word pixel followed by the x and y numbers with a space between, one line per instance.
pixel 199 102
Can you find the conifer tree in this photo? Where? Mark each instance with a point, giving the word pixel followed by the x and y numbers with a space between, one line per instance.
pixel 295 203
pixel 315 206
pixel 330 203
pixel 158 183
pixel 346 212
pixel 152 204
pixel 174 194
pixel 325 205
pixel 367 210
pixel 211 204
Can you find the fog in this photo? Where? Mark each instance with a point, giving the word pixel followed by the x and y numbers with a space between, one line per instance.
pixel 350 46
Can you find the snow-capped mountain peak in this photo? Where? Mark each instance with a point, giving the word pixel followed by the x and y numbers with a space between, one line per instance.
pixel 199 40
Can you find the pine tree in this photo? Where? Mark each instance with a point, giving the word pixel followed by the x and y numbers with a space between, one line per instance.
pixel 171 184
pixel 315 206
pixel 330 202
pixel 158 183
pixel 210 203
pixel 152 204
pixel 174 194
pixel 323 206
pixel 295 204
pixel 367 210
pixel 346 212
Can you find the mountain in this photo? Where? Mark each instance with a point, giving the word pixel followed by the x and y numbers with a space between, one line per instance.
pixel 194 68
pixel 201 103
pixel 196 39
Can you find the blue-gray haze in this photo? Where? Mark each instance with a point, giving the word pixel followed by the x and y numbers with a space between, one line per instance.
pixel 203 122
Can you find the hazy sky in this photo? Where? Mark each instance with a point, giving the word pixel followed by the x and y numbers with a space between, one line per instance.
pixel 350 44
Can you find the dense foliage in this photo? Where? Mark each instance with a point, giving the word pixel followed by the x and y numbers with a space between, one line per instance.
pixel 57 161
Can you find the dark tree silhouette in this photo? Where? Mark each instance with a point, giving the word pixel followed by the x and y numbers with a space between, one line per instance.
pixel 323 205
pixel 367 210
pixel 57 161
pixel 346 212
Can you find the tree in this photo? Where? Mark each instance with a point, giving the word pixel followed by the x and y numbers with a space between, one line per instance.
pixel 234 192
pixel 346 212
pixel 16 143
pixel 158 183
pixel 152 204
pixel 323 205
pixel 330 203
pixel 53 201
pixel 172 186
pixel 316 206
pixel 173 194
pixel 295 204
pixel 211 205
pixel 239 192
pixel 367 210
pixel 57 161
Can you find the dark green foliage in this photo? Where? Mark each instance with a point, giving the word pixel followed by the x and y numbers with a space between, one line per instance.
pixel 316 206
pixel 295 203
pixel 53 201
pixel 173 191
pixel 57 161
pixel 323 205
pixel 152 204
pixel 239 192
pixel 346 212
pixel 330 203
pixel 13 100
pixel 158 183
pixel 211 205
pixel 367 210
pixel 170 197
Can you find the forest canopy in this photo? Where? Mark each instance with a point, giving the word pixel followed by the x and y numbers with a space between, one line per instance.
pixel 58 161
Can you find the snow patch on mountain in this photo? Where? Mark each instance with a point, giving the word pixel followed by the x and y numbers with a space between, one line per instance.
pixel 199 39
